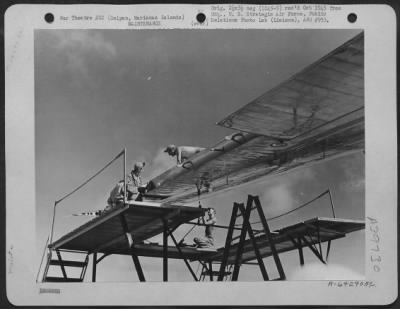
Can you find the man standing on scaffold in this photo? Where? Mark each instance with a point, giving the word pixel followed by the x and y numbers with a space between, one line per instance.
pixel 134 188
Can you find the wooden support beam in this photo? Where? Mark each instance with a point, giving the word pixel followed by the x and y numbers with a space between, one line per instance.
pixel 239 252
pixel 319 239
pixel 62 265
pixel 298 245
pixel 315 251
pixel 85 267
pixel 46 269
pixel 203 271
pixel 269 237
pixel 94 266
pixel 328 248
pixel 102 257
pixel 132 247
pixel 301 255
pixel 183 257
pixel 165 251
pixel 253 241
pixel 228 242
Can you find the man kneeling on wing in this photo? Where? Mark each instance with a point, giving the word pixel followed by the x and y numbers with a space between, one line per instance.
pixel 134 188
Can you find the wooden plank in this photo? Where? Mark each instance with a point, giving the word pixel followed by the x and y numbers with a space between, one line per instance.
pixel 87 227
pixel 68 263
pixel 61 279
pixel 143 221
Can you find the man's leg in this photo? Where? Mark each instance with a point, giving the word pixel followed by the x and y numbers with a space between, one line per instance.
pixel 202 242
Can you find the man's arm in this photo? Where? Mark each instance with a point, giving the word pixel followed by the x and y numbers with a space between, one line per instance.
pixel 199 149
pixel 179 155
pixel 211 221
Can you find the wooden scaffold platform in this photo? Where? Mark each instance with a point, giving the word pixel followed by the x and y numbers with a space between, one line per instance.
pixel 123 230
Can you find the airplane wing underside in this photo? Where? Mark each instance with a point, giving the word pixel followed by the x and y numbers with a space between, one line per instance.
pixel 329 89
pixel 316 115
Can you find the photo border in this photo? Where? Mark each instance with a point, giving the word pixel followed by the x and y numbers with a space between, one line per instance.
pixel 381 179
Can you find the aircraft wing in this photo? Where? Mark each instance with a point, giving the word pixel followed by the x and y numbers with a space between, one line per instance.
pixel 316 115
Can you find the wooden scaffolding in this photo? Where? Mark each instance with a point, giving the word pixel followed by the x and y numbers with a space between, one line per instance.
pixel 123 230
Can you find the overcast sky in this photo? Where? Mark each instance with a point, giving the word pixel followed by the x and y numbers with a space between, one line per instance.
pixel 99 91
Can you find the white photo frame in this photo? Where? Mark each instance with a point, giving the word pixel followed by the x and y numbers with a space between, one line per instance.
pixel 26 28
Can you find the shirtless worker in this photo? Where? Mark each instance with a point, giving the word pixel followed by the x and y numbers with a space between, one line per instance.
pixel 208 240
pixel 182 153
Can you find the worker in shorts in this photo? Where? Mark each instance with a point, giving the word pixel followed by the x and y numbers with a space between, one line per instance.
pixel 208 240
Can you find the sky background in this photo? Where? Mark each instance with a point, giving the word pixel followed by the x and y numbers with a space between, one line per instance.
pixel 99 91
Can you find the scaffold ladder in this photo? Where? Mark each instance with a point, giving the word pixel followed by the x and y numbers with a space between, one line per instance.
pixel 64 264
pixel 239 210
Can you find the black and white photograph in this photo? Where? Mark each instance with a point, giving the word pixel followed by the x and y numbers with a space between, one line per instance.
pixel 290 131
pixel 200 156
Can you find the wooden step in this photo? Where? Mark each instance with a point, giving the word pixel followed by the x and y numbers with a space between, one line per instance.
pixel 62 279
pixel 68 263
pixel 207 249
